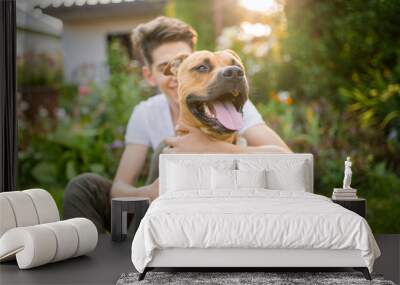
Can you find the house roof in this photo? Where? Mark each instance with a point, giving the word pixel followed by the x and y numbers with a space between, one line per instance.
pixel 92 9
pixel 29 20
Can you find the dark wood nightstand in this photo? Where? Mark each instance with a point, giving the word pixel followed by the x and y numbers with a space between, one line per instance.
pixel 358 206
pixel 126 214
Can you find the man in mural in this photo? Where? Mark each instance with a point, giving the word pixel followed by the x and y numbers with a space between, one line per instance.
pixel 153 122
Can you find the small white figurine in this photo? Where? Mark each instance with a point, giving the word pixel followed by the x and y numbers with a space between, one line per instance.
pixel 347 174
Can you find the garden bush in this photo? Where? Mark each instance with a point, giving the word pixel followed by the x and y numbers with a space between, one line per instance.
pixel 325 76
pixel 89 136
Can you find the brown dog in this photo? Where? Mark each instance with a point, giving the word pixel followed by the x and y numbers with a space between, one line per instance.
pixel 212 90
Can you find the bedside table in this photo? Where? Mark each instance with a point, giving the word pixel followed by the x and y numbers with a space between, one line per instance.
pixel 126 214
pixel 357 205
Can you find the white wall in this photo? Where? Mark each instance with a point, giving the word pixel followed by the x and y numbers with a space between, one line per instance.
pixel 37 43
pixel 84 47
pixel 84 51
pixel 36 32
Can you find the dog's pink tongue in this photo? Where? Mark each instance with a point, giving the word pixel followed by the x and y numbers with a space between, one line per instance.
pixel 228 116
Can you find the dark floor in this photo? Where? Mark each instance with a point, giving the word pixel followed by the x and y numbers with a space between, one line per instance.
pixel 389 262
pixel 110 260
pixel 102 266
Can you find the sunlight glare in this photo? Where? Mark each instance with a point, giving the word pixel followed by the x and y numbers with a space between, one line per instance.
pixel 256 30
pixel 265 6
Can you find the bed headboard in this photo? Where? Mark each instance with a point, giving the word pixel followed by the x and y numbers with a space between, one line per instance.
pixel 285 164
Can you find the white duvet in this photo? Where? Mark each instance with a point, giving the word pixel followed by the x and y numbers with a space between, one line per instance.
pixel 250 219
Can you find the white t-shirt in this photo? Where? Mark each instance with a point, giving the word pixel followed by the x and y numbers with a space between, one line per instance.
pixel 151 121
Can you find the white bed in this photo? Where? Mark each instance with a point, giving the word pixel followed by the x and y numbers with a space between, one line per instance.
pixel 201 220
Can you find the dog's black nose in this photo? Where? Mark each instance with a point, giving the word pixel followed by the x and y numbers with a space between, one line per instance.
pixel 233 72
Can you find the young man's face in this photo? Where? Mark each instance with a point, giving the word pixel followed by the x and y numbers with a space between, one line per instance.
pixel 154 74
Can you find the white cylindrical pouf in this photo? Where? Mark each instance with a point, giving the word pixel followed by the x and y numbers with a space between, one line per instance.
pixel 45 206
pixel 23 208
pixel 40 244
pixel 31 232
pixel 33 246
pixel 87 234
pixel 7 218
pixel 67 239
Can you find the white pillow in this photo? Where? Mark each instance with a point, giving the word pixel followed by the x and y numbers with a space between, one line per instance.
pixel 183 177
pixel 251 178
pixel 229 179
pixel 278 180
pixel 223 179
pixel 282 174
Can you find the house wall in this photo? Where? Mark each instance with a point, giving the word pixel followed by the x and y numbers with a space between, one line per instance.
pixel 36 33
pixel 33 42
pixel 84 47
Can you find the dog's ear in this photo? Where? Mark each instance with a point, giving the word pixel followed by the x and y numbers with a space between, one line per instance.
pixel 173 65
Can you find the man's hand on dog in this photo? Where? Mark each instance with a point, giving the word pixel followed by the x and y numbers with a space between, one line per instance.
pixel 192 141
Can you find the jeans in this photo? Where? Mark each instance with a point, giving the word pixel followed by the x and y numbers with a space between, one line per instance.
pixel 88 195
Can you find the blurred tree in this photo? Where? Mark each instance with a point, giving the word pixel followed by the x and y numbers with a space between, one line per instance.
pixel 325 76
pixel 199 15
pixel 348 52
pixel 207 17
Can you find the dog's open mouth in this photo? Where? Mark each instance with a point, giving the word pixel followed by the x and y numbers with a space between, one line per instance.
pixel 223 114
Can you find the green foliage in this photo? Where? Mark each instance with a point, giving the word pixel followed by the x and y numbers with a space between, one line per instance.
pixel 327 81
pixel 348 53
pixel 39 70
pixel 343 43
pixel 199 15
pixel 89 134
pixel 382 189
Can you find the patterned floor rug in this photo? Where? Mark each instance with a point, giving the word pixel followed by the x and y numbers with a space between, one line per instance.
pixel 243 278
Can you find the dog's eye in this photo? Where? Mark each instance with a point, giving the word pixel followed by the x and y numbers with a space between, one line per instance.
pixel 202 68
